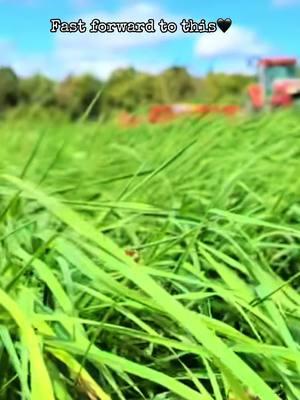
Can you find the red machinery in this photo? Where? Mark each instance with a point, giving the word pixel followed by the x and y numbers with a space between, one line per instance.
pixel 163 113
pixel 168 112
pixel 278 85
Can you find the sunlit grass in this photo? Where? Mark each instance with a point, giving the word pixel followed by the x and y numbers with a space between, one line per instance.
pixel 153 263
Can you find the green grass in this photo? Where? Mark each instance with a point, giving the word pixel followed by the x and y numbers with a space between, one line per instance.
pixel 211 306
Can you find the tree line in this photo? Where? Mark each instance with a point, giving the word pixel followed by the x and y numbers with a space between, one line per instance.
pixel 126 90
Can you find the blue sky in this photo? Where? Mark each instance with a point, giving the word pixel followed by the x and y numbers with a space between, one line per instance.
pixel 260 27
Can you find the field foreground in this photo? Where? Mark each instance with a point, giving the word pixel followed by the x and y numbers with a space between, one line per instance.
pixel 156 263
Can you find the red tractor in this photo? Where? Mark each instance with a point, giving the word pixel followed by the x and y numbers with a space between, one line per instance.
pixel 278 84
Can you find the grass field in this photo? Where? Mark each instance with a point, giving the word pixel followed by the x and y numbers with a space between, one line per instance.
pixel 155 263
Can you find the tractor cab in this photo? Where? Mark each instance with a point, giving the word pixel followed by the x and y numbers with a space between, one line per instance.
pixel 273 71
pixel 278 84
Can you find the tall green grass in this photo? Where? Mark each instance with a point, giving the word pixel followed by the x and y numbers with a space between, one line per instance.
pixel 208 307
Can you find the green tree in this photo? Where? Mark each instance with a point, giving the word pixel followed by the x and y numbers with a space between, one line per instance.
pixel 224 87
pixel 178 85
pixel 38 90
pixel 76 94
pixel 9 88
pixel 131 90
pixel 119 90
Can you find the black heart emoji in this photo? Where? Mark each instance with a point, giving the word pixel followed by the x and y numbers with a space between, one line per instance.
pixel 224 24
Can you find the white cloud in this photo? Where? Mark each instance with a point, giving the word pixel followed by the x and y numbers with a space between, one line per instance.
pixel 234 67
pixel 236 42
pixel 99 54
pixel 110 42
pixel 52 66
pixel 8 53
pixel 286 3
pixel 6 48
